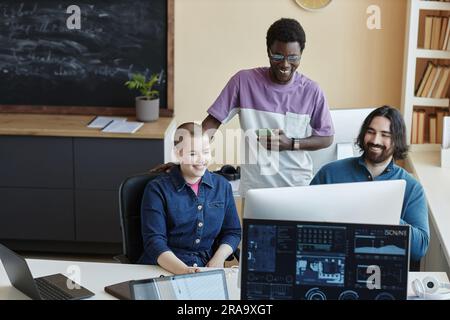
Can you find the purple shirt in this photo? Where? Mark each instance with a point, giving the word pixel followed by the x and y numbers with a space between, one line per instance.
pixel 253 89
pixel 298 107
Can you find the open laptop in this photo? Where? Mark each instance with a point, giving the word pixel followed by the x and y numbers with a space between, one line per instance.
pixel 205 285
pixel 52 287
pixel 304 260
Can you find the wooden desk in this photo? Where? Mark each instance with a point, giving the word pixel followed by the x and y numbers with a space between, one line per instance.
pixel 425 165
pixel 72 126
pixel 59 180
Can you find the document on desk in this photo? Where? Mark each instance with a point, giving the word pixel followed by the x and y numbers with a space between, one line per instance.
pixel 100 122
pixel 199 288
pixel 206 285
pixel 118 126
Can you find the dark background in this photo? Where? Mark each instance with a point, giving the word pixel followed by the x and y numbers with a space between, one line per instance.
pixel 42 62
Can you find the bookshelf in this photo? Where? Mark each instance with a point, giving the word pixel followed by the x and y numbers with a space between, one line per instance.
pixel 416 57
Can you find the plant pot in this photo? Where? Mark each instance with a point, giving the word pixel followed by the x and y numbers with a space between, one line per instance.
pixel 147 110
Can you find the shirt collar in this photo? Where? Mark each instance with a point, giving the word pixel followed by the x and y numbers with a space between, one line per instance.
pixel 179 182
pixel 389 167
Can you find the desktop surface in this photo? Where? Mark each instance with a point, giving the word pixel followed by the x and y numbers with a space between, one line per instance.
pixel 95 276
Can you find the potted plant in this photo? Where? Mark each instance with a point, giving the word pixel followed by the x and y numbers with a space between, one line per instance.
pixel 147 105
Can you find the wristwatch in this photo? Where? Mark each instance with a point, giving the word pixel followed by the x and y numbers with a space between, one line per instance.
pixel 295 144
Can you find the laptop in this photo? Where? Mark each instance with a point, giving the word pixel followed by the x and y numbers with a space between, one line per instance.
pixel 304 260
pixel 205 285
pixel 52 287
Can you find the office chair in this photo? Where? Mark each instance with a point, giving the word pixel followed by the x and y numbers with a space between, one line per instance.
pixel 130 197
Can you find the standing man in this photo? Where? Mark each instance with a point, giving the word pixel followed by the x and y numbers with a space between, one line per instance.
pixel 383 140
pixel 283 100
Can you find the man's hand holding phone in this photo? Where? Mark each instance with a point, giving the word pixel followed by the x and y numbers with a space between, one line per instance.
pixel 274 139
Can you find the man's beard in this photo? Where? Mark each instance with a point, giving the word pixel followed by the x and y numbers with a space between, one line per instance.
pixel 377 157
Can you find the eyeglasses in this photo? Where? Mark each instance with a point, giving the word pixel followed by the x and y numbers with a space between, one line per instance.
pixel 279 57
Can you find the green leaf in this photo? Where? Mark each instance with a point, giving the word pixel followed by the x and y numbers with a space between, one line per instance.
pixel 138 82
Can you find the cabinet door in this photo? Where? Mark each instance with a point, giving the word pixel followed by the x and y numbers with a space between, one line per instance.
pixel 97 216
pixel 36 162
pixel 105 163
pixel 36 214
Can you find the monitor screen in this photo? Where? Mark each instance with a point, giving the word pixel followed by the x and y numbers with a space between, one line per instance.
pixel 205 285
pixel 347 123
pixel 323 261
pixel 376 202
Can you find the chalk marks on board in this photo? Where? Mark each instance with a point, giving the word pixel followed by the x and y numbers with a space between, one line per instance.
pixel 61 53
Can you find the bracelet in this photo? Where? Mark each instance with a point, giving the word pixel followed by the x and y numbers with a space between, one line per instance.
pixel 293 142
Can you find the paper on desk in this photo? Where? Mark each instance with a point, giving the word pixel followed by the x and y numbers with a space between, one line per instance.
pixel 118 126
pixel 100 122
pixel 446 133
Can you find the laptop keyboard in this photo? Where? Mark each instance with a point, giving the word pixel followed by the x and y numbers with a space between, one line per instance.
pixel 49 291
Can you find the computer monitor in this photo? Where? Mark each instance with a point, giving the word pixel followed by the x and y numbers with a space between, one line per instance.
pixel 293 260
pixel 371 202
pixel 347 123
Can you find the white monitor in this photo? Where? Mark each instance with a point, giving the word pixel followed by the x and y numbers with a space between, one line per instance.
pixel 372 202
pixel 347 123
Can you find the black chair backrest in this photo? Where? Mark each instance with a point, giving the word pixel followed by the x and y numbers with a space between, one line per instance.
pixel 130 198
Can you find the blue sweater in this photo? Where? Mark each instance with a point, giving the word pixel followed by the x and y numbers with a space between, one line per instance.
pixel 414 211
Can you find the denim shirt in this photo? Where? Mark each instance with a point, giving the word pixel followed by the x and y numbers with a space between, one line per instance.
pixel 192 226
pixel 414 210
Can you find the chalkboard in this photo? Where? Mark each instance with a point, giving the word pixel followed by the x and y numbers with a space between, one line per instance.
pixel 47 59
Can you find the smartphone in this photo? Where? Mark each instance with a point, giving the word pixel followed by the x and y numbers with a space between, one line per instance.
pixel 264 132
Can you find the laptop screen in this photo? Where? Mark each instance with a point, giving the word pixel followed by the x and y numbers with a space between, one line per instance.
pixel 207 285
pixel 322 261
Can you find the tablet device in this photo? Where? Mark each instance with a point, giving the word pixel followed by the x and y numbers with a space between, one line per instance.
pixel 206 285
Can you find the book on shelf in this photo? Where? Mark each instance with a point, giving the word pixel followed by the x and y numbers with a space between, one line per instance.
pixel 427 126
pixel 436 33
pixel 446 86
pixel 432 128
pixel 435 82
pixel 429 83
pixel 442 84
pixel 415 120
pixel 421 126
pixel 424 79
pixel 428 32
pixel 440 114
pixel 446 37
pixel 443 32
